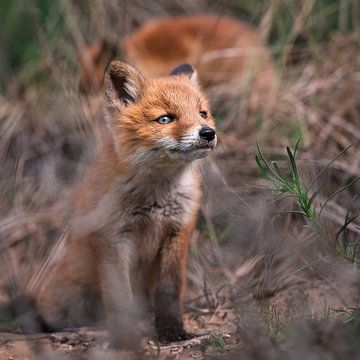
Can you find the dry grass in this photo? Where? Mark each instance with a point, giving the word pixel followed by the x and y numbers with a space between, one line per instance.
pixel 261 275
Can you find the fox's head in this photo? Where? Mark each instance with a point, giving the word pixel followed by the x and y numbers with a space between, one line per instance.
pixel 160 119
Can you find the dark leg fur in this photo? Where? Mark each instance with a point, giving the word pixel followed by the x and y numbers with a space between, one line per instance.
pixel 168 315
pixel 170 283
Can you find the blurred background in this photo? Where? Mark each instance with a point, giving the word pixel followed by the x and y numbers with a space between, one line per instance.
pixel 274 266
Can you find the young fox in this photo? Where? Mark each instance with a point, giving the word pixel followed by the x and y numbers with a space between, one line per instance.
pixel 222 48
pixel 135 210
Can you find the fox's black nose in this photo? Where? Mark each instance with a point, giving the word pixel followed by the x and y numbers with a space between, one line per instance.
pixel 207 133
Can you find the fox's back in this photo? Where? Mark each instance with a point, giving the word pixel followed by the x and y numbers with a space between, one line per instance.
pixel 210 42
pixel 222 48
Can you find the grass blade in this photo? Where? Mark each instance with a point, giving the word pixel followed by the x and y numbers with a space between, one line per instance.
pixel 338 192
pixel 321 172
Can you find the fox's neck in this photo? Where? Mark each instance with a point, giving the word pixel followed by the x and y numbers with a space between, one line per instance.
pixel 150 177
pixel 159 181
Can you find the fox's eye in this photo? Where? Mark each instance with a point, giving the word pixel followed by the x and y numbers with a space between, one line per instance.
pixel 203 114
pixel 165 119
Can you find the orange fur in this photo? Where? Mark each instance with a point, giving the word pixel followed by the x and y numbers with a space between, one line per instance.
pixel 135 210
pixel 223 49
pixel 201 40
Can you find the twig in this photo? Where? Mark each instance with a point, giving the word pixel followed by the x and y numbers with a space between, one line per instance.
pixel 180 345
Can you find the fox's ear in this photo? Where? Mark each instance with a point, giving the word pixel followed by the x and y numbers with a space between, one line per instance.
pixel 188 70
pixel 123 84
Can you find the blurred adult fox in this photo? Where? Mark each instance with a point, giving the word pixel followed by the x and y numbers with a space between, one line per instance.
pixel 135 210
pixel 224 51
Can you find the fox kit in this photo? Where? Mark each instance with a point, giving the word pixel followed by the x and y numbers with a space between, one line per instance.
pixel 135 210
pixel 222 48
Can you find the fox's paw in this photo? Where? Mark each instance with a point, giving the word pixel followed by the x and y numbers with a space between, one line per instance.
pixel 167 335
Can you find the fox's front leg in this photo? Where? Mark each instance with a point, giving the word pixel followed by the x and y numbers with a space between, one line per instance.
pixel 120 305
pixel 170 286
